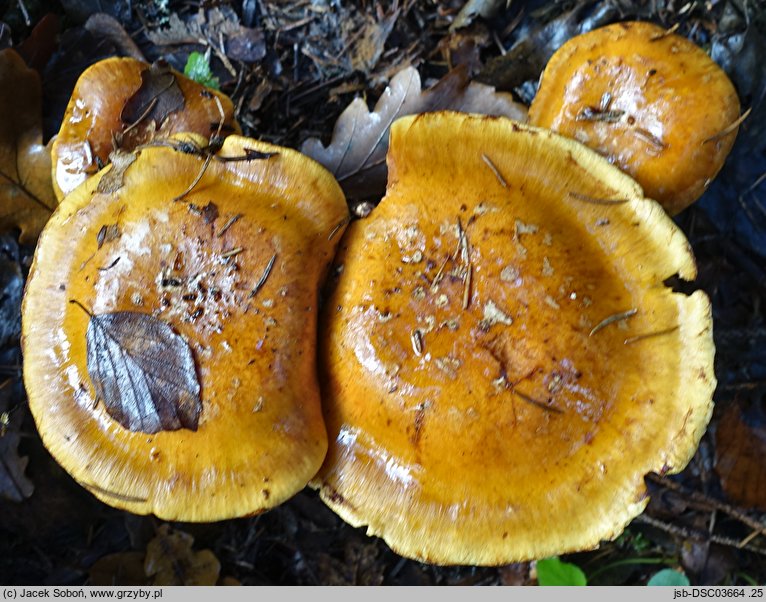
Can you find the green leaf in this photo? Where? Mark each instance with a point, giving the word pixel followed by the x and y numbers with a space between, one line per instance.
pixel 552 571
pixel 198 68
pixel 668 577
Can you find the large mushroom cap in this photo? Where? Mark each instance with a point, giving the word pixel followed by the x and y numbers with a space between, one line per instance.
pixel 220 287
pixel 122 103
pixel 500 361
pixel 650 101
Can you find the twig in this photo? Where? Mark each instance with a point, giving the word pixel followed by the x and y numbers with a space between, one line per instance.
pixel 494 170
pixel 713 503
pixel 685 533
pixel 201 173
pixel 262 280
pixel 613 318
pixel 730 128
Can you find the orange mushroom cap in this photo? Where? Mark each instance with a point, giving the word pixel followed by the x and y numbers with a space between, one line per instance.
pixel 500 361
pixel 93 120
pixel 233 269
pixel 650 101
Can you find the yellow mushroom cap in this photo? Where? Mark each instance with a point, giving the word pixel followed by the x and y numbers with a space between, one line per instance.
pixel 650 101
pixel 93 118
pixel 500 361
pixel 233 268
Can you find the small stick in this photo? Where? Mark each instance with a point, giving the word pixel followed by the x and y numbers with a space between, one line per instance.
pixel 665 33
pixel 143 115
pixel 613 318
pixel 494 170
pixel 729 129
pixel 232 253
pixel 264 276
pixel 534 402
pixel 596 201
pixel 229 224
pixel 649 335
pixel 196 180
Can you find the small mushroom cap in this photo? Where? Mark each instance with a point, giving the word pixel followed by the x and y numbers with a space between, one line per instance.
pixel 651 102
pixel 93 118
pixel 197 265
pixel 500 361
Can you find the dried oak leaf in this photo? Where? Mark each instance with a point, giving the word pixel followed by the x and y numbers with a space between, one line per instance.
pixel 356 154
pixel 26 190
pixel 143 372
pixel 170 560
pixel 740 451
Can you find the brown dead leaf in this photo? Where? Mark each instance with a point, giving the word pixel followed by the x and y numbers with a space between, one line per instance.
pixel 170 560
pixel 740 452
pixel 112 180
pixel 370 41
pixel 356 154
pixel 26 190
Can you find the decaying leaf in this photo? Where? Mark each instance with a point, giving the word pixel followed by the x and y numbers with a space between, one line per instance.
pixel 357 152
pixel 170 560
pixel 112 180
pixel 370 40
pixel 143 372
pixel 158 96
pixel 26 191
pixel 740 452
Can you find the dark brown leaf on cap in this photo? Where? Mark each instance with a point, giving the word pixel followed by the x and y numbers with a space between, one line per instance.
pixel 143 372
pixel 158 96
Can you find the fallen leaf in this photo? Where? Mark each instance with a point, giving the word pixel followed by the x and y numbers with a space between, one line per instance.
pixel 356 154
pixel 111 181
pixel 26 189
pixel 143 372
pixel 158 96
pixel 740 452
pixel 370 41
pixel 170 560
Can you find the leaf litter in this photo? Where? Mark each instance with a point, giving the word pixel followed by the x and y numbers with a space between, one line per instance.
pixel 357 151
pixel 26 189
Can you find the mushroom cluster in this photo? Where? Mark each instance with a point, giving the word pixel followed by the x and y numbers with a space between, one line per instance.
pixel 499 360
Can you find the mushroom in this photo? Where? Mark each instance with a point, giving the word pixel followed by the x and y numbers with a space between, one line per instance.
pixel 169 330
pixel 500 361
pixel 650 101
pixel 122 103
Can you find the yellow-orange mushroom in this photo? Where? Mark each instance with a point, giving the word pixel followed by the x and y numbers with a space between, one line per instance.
pixel 652 102
pixel 500 361
pixel 233 268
